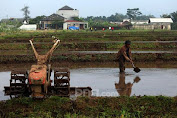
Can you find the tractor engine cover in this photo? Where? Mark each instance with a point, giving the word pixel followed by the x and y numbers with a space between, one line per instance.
pixel 38 74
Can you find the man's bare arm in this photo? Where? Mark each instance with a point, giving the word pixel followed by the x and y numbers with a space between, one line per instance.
pixel 126 57
pixel 35 52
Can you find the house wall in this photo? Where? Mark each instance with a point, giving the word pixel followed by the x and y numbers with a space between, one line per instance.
pixel 77 24
pixel 152 26
pixel 68 14
pixel 166 26
pixel 44 24
pixel 65 26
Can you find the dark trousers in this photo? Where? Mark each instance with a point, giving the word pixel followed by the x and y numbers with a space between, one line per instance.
pixel 122 64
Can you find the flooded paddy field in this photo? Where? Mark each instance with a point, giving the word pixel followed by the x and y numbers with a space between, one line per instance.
pixel 108 82
pixel 104 78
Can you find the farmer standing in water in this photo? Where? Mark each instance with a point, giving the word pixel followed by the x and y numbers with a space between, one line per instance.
pixel 124 54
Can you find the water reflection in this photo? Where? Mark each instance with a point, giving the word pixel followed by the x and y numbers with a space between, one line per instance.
pixel 124 89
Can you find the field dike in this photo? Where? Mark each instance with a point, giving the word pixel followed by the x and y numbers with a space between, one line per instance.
pixel 90 57
pixel 16 47
pixel 119 107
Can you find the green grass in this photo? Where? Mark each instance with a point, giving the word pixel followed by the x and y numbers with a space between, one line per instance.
pixel 95 36
pixel 124 107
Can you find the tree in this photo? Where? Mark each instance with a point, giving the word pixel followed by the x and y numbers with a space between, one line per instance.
pixel 78 19
pixel 133 13
pixel 144 17
pixel 165 16
pixel 26 12
pixel 174 16
pixel 36 20
pixel 116 18
pixel 57 24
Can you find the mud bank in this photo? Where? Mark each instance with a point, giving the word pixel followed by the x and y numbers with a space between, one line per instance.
pixel 145 106
pixel 75 65
pixel 91 46
pixel 90 57
pixel 133 35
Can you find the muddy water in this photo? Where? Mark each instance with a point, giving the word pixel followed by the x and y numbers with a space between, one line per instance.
pixel 108 82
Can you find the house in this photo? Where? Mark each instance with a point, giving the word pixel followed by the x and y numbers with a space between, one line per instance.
pixel 139 22
pixel 79 24
pixel 153 23
pixel 53 21
pixel 161 23
pixel 68 13
pixel 63 19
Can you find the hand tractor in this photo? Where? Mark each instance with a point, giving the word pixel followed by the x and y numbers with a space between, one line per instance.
pixel 37 81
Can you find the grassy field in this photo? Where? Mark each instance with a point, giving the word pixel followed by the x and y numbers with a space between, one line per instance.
pixel 94 107
pixel 65 36
pixel 87 41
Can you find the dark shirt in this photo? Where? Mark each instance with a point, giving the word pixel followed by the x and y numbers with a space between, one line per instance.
pixel 127 52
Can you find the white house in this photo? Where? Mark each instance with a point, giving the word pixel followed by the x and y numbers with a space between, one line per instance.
pixel 65 15
pixel 160 20
pixel 68 12
pixel 79 24
pixel 161 23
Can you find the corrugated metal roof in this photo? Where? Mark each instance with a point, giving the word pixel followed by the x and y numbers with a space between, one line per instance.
pixel 66 8
pixel 161 20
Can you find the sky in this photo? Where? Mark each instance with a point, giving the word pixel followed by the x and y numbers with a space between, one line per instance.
pixel 12 8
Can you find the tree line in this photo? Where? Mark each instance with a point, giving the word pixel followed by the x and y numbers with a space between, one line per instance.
pixel 102 21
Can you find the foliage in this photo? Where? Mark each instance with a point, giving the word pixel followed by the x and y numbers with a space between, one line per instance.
pixel 116 18
pixel 78 19
pixel 96 19
pixel 171 15
pixel 103 21
pixel 57 24
pixel 26 12
pixel 36 20
pixel 10 27
pixel 120 107
pixel 165 16
pixel 174 26
pixel 144 17
pixel 133 13
pixel 174 16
